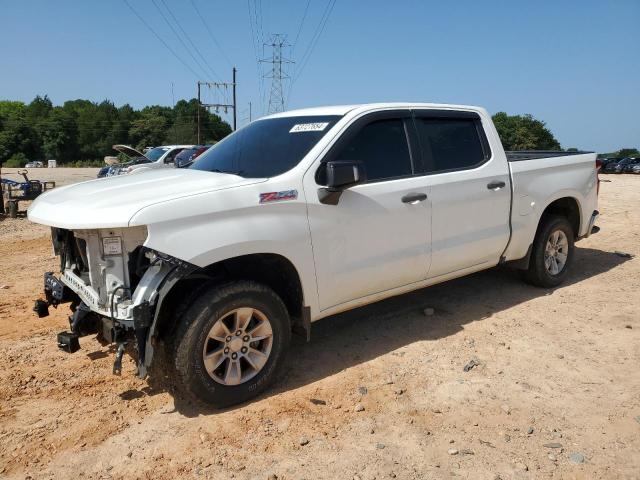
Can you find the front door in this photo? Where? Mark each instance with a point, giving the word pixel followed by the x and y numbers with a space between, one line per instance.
pixel 377 237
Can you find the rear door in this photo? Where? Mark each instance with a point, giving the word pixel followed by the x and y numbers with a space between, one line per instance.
pixel 377 237
pixel 469 191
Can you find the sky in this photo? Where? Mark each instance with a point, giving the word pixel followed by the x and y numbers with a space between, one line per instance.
pixel 573 64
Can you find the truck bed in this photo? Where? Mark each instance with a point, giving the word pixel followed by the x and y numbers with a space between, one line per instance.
pixel 520 155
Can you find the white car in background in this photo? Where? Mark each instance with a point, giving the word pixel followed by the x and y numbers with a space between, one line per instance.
pixel 152 159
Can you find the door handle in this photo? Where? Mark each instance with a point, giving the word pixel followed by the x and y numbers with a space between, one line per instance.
pixel 495 185
pixel 414 198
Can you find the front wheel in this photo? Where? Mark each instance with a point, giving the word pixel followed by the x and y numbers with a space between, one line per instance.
pixel 231 343
pixel 552 253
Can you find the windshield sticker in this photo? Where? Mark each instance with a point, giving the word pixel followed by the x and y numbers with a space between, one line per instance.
pixel 309 127
pixel 278 196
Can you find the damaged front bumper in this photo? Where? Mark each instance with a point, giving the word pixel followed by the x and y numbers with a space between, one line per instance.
pixel 121 310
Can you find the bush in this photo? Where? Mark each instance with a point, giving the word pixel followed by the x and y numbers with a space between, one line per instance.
pixel 17 160
pixel 84 163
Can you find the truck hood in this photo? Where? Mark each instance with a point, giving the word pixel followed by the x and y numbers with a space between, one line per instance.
pixel 128 151
pixel 112 202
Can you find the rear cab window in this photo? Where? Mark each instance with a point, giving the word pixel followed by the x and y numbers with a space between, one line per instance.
pixel 451 141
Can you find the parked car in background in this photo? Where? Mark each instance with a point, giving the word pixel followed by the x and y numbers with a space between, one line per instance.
pixel 628 166
pixel 187 156
pixel 113 167
pixel 635 168
pixel 161 157
pixel 613 167
pixel 606 161
pixel 34 164
pixel 156 157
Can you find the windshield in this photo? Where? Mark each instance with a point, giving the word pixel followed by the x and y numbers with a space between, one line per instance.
pixel 186 153
pixel 155 153
pixel 266 148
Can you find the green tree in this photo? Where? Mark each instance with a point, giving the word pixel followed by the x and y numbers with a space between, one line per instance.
pixel 58 136
pixel 627 152
pixel 523 132
pixel 81 130
pixel 16 135
pixel 149 130
pixel 185 125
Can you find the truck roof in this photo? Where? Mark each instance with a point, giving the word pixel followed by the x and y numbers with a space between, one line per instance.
pixel 344 109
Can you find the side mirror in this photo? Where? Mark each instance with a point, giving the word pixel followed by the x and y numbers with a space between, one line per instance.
pixel 340 176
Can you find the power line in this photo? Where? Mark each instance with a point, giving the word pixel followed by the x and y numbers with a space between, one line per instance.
pixel 314 40
pixel 206 26
pixel 259 19
pixel 254 35
pixel 161 40
pixel 304 16
pixel 204 70
pixel 186 35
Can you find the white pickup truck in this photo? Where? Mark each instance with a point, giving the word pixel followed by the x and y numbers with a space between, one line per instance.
pixel 298 216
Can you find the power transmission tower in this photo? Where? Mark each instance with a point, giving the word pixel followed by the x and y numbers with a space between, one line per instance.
pixel 218 106
pixel 276 95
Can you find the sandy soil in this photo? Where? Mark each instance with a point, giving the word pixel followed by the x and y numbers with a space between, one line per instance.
pixel 558 375
pixel 62 176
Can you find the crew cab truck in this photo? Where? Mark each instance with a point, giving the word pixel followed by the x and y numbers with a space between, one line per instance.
pixel 298 216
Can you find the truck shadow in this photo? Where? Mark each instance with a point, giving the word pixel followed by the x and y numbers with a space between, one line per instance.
pixel 348 339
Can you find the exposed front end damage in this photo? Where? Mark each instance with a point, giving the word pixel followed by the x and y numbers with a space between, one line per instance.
pixel 115 287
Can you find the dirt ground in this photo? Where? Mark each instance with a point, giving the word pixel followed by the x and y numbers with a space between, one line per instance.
pixel 556 393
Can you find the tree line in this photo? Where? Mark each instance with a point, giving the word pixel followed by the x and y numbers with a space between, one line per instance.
pixel 81 131
pixel 84 131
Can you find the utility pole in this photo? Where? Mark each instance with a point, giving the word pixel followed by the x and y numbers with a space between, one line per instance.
pixel 235 119
pixel 276 95
pixel 1 192
pixel 226 106
pixel 199 105
pixel 175 124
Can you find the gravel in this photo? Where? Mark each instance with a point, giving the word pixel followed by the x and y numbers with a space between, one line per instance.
pixel 577 458
pixel 553 445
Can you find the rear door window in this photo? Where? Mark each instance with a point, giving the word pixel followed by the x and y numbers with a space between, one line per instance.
pixel 450 143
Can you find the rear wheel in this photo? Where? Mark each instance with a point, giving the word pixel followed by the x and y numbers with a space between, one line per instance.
pixel 552 252
pixel 231 343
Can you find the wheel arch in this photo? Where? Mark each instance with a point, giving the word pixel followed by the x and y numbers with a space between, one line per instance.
pixel 567 207
pixel 271 269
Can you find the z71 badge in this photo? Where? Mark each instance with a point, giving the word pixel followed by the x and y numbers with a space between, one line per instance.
pixel 278 196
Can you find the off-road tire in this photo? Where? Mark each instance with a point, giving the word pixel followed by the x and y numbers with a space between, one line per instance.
pixel 191 378
pixel 537 273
